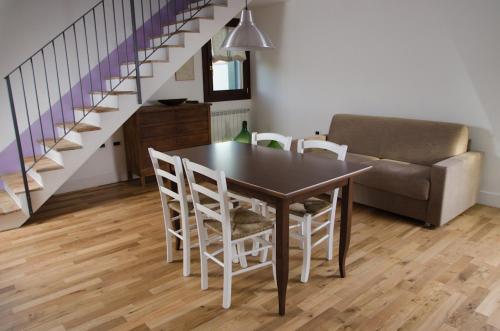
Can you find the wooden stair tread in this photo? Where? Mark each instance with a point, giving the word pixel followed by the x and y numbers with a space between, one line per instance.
pixel 191 9
pixel 166 35
pixel 162 46
pixel 96 109
pixel 16 184
pixel 173 33
pixel 42 164
pixel 114 92
pixel 189 19
pixel 129 77
pixel 61 145
pixel 147 61
pixel 7 205
pixel 78 127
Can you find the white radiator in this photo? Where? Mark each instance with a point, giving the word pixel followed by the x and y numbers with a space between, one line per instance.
pixel 226 124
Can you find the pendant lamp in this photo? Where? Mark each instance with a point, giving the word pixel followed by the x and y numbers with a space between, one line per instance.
pixel 246 36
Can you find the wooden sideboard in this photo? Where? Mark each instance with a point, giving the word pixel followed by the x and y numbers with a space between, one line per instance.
pixel 163 128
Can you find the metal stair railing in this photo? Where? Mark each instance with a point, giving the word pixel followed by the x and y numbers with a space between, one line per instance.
pixel 64 75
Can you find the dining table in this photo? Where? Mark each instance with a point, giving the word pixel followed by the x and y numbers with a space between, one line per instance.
pixel 282 178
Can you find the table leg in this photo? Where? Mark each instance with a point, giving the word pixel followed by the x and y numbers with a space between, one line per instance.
pixel 345 225
pixel 282 232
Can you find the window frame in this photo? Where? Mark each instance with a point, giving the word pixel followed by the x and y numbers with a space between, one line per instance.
pixel 225 95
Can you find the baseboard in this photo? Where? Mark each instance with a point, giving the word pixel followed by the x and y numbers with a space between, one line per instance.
pixel 489 198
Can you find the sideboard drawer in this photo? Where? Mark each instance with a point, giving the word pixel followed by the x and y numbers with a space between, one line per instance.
pixel 164 129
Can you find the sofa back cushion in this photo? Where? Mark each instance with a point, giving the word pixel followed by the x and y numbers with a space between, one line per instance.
pixel 413 141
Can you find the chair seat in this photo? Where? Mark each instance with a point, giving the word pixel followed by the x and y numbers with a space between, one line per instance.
pixel 309 206
pixel 244 223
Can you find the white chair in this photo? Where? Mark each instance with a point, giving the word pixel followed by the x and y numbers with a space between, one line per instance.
pixel 234 226
pixel 181 203
pixel 285 141
pixel 176 201
pixel 259 206
pixel 306 214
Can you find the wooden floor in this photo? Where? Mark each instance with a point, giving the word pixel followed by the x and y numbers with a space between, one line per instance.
pixel 96 260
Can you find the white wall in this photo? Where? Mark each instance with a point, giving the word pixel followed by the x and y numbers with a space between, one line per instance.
pixel 426 59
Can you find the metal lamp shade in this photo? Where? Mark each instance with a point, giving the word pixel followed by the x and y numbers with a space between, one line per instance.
pixel 246 36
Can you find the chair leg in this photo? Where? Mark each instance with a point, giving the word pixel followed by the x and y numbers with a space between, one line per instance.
pixel 301 233
pixel 203 259
pixel 234 253
pixel 186 253
pixel 241 249
pixel 263 253
pixel 228 274
pixel 273 255
pixel 330 229
pixel 306 257
pixel 169 241
pixel 255 243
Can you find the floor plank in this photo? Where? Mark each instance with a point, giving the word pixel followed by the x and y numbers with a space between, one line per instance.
pixel 95 260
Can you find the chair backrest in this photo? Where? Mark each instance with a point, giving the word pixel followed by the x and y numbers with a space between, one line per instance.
pixel 285 141
pixel 175 179
pixel 220 197
pixel 340 150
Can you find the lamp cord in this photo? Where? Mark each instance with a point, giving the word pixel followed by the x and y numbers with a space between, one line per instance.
pixel 246 4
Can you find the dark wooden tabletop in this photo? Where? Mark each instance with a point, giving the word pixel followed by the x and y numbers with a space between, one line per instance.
pixel 279 173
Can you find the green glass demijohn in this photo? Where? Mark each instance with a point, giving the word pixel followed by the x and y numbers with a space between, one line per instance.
pixel 244 136
pixel 274 144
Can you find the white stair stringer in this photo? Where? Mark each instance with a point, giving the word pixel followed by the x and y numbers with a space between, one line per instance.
pixel 110 122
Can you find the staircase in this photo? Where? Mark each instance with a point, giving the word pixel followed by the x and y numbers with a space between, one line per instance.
pixel 66 101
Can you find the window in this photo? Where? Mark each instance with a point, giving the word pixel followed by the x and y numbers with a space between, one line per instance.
pixel 226 74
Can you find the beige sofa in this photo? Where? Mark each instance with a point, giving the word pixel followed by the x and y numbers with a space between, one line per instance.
pixel 421 169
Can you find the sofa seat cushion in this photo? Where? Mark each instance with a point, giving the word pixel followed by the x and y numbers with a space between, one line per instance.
pixel 360 158
pixel 407 179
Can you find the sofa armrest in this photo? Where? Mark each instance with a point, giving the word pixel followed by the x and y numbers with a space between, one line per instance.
pixel 454 186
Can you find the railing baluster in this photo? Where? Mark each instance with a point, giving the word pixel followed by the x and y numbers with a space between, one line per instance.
pixel 19 145
pixel 59 87
pixel 117 49
pixel 136 54
pixel 27 114
pixel 88 62
pixel 167 4
pixel 125 36
pixel 48 96
pixel 38 105
pixel 80 72
pixel 161 21
pixel 98 55
pixel 151 20
pixel 107 44
pixel 69 79
pixel 144 31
